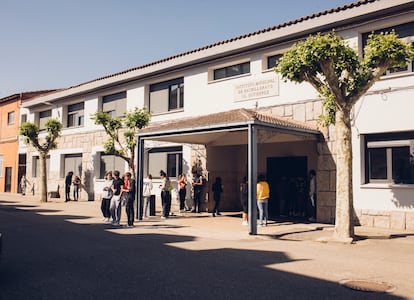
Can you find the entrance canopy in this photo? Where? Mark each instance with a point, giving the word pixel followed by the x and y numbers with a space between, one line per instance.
pixel 234 127
pixel 228 128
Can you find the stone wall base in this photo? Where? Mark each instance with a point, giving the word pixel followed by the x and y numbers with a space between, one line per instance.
pixel 386 219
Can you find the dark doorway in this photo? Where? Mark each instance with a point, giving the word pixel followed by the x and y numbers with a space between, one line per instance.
pixel 21 171
pixel 8 180
pixel 287 177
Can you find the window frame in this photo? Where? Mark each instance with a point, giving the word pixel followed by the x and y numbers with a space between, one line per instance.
pixel 164 155
pixel 75 116
pixel 391 144
pixel 11 117
pixel 174 100
pixel 230 72
pixel 36 166
pixel 117 99
pixel 43 116
pixel 116 165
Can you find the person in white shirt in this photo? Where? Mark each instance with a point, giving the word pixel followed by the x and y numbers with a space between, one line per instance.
pixel 146 194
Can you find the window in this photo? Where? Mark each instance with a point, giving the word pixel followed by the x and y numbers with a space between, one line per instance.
pixel 72 162
pixel 273 61
pixel 109 162
pixel 168 159
pixel 75 115
pixel 10 118
pixel 390 159
pixel 114 104
pixel 167 96
pixel 36 166
pixel 1 165
pixel 24 118
pixel 404 31
pixel 43 117
pixel 230 71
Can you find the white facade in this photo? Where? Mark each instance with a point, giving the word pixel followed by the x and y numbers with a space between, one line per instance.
pixel 386 108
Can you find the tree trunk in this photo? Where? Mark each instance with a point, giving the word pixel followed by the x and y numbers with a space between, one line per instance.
pixel 344 221
pixel 43 178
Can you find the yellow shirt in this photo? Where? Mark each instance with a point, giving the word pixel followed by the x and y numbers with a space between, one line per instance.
pixel 262 190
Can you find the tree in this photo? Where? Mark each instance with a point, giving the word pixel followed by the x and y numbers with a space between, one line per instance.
pixel 30 132
pixel 341 77
pixel 129 125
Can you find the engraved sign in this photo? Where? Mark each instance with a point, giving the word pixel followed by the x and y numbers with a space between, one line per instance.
pixel 265 87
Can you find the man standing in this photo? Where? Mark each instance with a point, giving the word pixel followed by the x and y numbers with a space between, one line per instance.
pixel 197 190
pixel 68 182
pixel 115 208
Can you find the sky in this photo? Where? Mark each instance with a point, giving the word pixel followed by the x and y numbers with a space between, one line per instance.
pixel 51 44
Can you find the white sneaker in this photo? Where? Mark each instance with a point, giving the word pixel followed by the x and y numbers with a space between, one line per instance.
pixel 245 223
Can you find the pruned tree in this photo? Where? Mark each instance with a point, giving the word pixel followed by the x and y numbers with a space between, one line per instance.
pixel 30 132
pixel 122 133
pixel 341 77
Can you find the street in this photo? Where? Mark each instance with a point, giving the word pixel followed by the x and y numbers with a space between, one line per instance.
pixel 65 251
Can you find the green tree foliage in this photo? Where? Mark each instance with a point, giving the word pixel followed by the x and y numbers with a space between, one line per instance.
pixel 30 132
pixel 341 77
pixel 122 133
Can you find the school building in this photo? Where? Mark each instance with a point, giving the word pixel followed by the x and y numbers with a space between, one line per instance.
pixel 223 109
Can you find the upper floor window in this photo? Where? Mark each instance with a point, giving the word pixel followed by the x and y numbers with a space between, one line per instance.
pixel 43 117
pixel 75 115
pixel 273 61
pixel 23 118
pixel 114 104
pixel 389 158
pixel 404 31
pixel 10 118
pixel 166 96
pixel 230 71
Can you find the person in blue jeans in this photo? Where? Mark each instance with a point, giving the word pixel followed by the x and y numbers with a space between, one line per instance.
pixel 115 207
pixel 262 196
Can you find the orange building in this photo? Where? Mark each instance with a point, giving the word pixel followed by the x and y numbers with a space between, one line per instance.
pixel 12 165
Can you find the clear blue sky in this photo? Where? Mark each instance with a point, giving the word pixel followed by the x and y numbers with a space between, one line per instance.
pixel 48 44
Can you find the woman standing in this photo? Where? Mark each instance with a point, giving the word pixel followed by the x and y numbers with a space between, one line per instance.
pixel 182 184
pixel 129 196
pixel 76 186
pixel 146 194
pixel 217 190
pixel 165 195
pixel 106 196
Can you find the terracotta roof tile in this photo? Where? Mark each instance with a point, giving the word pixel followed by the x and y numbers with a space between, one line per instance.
pixel 227 118
pixel 272 28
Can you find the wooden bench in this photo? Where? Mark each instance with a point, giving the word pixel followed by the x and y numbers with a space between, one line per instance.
pixel 53 190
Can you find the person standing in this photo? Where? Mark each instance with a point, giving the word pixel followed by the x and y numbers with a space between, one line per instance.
pixel 217 190
pixel 243 201
pixel 128 194
pixel 106 196
pixel 182 192
pixel 165 195
pixel 76 187
pixel 115 206
pixel 312 196
pixel 146 194
pixel 197 190
pixel 23 184
pixel 262 196
pixel 68 183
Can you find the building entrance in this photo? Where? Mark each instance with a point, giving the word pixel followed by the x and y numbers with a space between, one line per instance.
pixel 287 177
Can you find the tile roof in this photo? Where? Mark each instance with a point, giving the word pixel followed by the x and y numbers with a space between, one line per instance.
pixel 244 36
pixel 228 118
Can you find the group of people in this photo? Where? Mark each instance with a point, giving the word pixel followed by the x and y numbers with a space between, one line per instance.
pixel 263 195
pixel 75 181
pixel 118 192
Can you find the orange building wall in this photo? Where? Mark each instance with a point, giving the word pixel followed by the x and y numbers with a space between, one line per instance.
pixel 9 142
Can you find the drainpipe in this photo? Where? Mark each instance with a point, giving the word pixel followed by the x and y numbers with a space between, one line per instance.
pixel 139 177
pixel 252 178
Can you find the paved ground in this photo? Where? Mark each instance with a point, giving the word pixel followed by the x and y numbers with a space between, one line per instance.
pixel 60 250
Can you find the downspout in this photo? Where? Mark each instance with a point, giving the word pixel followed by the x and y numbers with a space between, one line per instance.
pixel 252 178
pixel 139 177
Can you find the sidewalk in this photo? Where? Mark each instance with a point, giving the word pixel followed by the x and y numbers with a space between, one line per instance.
pixel 227 226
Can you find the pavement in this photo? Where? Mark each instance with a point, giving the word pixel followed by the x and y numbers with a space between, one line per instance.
pixel 379 264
